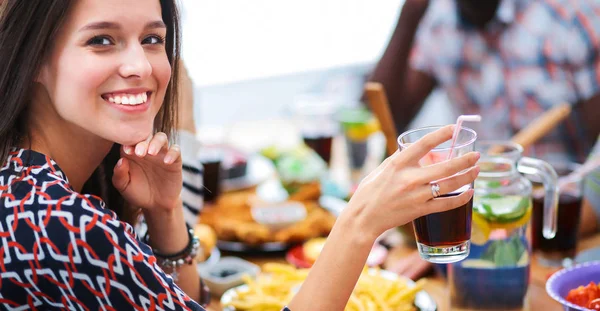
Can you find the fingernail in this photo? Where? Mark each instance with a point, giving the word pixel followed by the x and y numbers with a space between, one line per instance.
pixel 168 159
pixel 477 155
pixel 139 150
pixel 127 150
pixel 119 162
pixel 152 150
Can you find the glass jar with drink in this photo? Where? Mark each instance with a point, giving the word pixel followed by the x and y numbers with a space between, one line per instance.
pixel 495 275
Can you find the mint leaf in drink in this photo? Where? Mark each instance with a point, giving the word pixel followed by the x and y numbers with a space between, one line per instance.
pixel 494 184
pixel 492 196
pixel 506 255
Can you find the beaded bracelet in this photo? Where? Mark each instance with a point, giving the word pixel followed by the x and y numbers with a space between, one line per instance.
pixel 174 261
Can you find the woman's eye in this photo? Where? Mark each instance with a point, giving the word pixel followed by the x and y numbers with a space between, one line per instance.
pixel 153 40
pixel 99 41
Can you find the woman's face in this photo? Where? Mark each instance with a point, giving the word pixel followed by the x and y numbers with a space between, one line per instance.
pixel 108 70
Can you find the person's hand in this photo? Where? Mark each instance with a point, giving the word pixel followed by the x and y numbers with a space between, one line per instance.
pixel 148 175
pixel 399 190
pixel 411 266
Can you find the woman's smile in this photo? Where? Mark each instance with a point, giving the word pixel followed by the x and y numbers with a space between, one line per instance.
pixel 130 100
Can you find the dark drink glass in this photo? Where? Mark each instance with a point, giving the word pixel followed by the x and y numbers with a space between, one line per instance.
pixel 314 116
pixel 554 251
pixel 320 144
pixel 443 237
pixel 446 228
pixel 211 159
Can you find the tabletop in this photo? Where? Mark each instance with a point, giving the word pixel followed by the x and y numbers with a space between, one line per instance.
pixel 436 285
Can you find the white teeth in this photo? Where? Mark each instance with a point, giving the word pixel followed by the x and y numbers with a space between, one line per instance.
pixel 132 99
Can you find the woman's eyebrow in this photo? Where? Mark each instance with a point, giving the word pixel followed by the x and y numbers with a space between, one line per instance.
pixel 112 25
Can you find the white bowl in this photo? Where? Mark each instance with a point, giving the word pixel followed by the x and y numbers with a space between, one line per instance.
pixel 227 273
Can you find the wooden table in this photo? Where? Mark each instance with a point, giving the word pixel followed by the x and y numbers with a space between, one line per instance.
pixel 436 285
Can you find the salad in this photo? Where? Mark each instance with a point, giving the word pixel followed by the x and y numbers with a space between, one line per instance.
pixel 585 296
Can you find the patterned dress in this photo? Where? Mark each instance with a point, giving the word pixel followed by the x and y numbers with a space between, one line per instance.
pixel 64 250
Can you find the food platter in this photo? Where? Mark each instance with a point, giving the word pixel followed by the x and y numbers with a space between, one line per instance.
pixel 423 301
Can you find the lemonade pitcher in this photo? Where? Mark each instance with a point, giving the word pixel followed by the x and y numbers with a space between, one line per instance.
pixel 495 275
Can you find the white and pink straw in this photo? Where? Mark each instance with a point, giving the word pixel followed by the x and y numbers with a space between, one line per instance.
pixel 459 122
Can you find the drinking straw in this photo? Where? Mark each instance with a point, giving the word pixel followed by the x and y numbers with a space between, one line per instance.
pixel 459 122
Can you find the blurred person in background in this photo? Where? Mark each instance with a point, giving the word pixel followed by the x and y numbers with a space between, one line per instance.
pixel 506 60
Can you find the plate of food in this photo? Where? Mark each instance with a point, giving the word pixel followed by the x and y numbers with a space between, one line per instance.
pixel 305 255
pixel 376 289
pixel 237 229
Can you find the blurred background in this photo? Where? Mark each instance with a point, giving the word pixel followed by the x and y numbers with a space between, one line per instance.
pixel 250 60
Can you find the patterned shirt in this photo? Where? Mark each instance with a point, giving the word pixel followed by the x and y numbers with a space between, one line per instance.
pixel 532 56
pixel 64 250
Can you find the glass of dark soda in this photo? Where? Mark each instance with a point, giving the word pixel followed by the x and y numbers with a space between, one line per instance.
pixel 443 237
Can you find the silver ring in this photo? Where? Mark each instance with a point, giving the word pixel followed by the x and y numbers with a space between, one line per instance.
pixel 435 190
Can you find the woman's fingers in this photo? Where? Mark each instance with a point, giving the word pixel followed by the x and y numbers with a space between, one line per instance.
pixel 447 203
pixel 380 168
pixel 450 184
pixel 121 176
pixel 141 148
pixel 158 142
pixel 416 151
pixel 447 168
pixel 172 155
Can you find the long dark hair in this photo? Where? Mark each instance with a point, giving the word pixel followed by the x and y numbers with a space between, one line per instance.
pixel 27 32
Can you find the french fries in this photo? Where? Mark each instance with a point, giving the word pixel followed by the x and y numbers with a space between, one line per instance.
pixel 276 286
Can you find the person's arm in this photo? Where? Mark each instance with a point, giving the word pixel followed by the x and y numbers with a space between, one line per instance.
pixel 167 233
pixel 406 87
pixel 397 192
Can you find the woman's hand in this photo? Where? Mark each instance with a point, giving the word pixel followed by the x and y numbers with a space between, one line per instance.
pixel 399 190
pixel 149 175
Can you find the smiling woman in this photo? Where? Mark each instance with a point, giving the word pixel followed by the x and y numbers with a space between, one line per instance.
pixel 88 104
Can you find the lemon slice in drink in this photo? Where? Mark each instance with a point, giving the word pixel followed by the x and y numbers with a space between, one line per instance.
pixel 478 264
pixel 513 225
pixel 480 231
pixel 501 209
